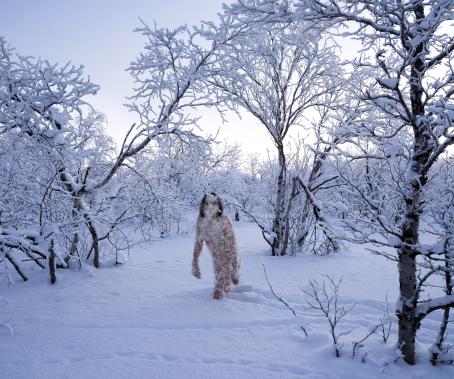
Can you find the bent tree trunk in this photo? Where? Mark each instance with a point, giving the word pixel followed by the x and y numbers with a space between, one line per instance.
pixel 16 267
pixel 95 240
pixel 331 245
pixel 309 205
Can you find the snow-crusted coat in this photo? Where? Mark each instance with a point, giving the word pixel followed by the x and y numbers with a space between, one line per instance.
pixel 216 230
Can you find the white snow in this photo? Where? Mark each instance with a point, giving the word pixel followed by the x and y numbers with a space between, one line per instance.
pixel 151 319
pixel 394 241
pixel 393 150
pixel 390 83
pixel 59 139
pixel 340 206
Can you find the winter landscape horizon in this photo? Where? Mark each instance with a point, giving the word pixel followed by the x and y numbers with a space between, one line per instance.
pixel 218 189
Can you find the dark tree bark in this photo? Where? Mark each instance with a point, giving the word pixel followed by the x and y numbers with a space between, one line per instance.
pixel 52 273
pixel 279 247
pixel 408 324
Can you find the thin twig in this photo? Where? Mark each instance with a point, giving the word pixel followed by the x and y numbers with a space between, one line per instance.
pixel 281 299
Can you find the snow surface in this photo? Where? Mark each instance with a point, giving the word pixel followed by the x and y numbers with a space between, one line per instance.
pixel 151 319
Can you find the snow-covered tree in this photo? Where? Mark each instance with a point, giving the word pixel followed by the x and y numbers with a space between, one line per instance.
pixel 403 80
pixel 279 73
pixel 44 111
pixel 438 258
pixel 407 75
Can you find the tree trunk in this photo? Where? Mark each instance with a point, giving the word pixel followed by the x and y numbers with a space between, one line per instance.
pixel 75 241
pixel 278 247
pixel 434 359
pixel 415 181
pixel 94 236
pixel 52 274
pixel 305 217
pixel 407 307
pixel 16 267
pixel 73 251
pixel 406 312
pixel 95 239
pixel 449 286
pixel 316 173
pixel 293 195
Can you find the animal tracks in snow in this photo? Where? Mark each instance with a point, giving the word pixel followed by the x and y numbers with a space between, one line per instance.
pixel 249 294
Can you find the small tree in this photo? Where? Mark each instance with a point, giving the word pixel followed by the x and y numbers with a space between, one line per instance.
pixel 323 298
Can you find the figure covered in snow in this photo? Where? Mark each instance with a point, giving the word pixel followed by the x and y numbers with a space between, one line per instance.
pixel 216 229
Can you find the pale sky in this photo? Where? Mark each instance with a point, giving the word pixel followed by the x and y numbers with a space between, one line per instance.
pixel 99 35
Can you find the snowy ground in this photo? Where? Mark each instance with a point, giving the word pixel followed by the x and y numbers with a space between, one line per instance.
pixel 151 319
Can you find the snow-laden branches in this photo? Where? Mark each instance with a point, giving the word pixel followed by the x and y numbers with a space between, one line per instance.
pixel 402 84
pixel 38 98
pixel 43 120
pixel 281 73
pixel 277 74
pixel 170 83
pixel 259 12
pixel 43 108
pixel 406 71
